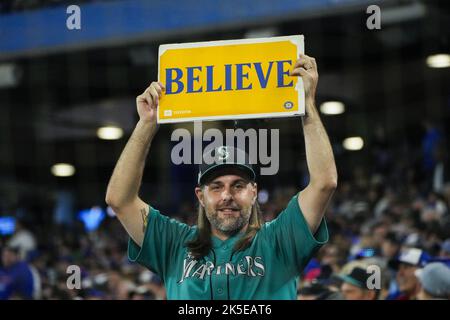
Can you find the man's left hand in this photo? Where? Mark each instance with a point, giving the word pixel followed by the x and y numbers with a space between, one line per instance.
pixel 306 68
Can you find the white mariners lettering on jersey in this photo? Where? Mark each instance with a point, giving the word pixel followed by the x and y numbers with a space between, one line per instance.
pixel 247 266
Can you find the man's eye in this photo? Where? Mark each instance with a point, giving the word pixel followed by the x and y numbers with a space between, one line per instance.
pixel 239 186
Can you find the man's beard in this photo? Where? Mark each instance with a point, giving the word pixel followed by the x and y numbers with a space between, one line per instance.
pixel 228 225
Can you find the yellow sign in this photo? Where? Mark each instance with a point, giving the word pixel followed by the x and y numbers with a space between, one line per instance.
pixel 232 79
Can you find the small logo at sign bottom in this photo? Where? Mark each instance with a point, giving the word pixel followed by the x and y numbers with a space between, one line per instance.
pixel 167 113
pixel 288 104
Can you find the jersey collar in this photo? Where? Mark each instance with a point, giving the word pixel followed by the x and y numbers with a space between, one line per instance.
pixel 217 243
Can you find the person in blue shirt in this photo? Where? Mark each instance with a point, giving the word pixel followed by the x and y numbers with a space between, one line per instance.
pixel 17 279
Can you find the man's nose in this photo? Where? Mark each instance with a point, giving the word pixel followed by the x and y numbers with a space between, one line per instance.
pixel 226 194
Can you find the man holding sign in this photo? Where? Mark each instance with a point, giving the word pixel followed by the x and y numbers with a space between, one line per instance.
pixel 230 253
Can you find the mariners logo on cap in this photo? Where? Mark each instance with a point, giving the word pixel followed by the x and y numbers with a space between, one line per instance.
pixel 222 153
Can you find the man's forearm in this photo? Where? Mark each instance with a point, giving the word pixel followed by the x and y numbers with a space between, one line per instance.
pixel 319 154
pixel 126 179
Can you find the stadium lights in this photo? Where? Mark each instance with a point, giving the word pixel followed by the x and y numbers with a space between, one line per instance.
pixel 441 60
pixel 63 170
pixel 332 107
pixel 353 143
pixel 9 75
pixel 261 33
pixel 110 133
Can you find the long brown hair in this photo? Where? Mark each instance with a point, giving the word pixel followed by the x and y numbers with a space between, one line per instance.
pixel 201 244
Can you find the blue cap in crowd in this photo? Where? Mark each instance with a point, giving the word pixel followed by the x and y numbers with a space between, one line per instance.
pixel 435 279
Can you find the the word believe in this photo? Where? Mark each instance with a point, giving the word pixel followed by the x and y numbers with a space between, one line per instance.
pixel 188 80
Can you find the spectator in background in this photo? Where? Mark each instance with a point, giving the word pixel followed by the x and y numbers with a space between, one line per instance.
pixel 355 285
pixel 390 246
pixel 317 291
pixel 118 287
pixel 435 282
pixel 410 260
pixel 23 240
pixel 332 257
pixel 430 142
pixel 441 170
pixel 18 280
pixel 445 250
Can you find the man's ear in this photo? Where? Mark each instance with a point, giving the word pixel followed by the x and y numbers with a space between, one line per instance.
pixel 200 196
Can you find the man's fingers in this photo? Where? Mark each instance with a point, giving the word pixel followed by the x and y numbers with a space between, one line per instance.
pixel 157 87
pixel 149 99
pixel 154 95
pixel 307 64
pixel 305 61
pixel 299 72
pixel 162 85
pixel 140 98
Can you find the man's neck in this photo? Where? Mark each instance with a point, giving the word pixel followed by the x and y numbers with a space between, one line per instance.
pixel 224 235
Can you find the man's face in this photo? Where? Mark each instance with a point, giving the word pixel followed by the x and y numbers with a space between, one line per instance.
pixel 351 292
pixel 228 201
pixel 406 279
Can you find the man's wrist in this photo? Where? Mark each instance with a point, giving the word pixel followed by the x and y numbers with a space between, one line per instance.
pixel 310 101
pixel 145 130
pixel 150 126
pixel 311 113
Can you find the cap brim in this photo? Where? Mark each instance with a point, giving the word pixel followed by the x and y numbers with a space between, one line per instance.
pixel 209 173
pixel 350 280
pixel 395 264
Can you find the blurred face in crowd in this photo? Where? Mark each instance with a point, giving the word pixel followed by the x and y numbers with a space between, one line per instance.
pixel 379 233
pixel 9 258
pixel 444 254
pixel 389 249
pixel 330 255
pixel 351 292
pixel 228 201
pixel 306 297
pixel 406 279
pixel 423 295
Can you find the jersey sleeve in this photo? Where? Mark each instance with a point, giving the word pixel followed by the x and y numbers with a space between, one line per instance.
pixel 163 239
pixel 293 240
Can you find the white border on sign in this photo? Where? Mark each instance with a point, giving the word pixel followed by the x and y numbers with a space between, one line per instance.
pixel 297 40
pixel 234 117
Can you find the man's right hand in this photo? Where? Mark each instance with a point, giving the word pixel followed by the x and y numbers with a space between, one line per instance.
pixel 148 102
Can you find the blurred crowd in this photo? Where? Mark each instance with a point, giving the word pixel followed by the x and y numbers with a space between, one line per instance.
pixel 389 225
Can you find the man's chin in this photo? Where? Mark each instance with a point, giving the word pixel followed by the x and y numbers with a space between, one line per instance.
pixel 231 228
pixel 230 232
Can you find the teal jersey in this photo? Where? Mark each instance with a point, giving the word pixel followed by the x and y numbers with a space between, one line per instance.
pixel 268 269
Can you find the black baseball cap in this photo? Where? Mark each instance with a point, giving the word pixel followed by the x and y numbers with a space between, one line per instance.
pixel 224 157
pixel 357 277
